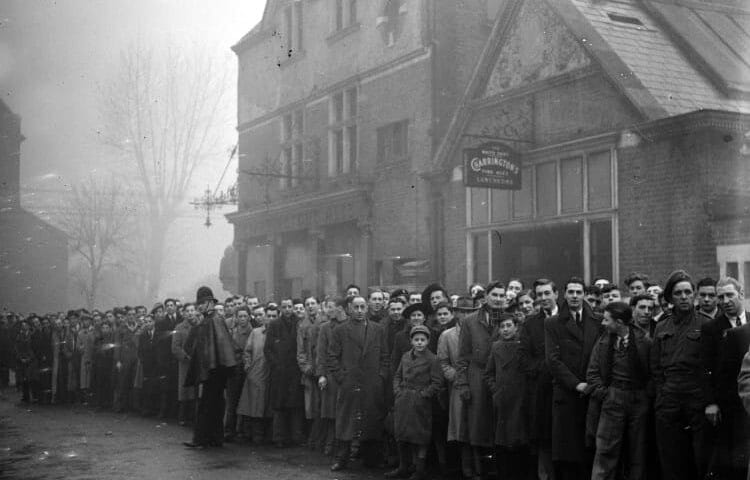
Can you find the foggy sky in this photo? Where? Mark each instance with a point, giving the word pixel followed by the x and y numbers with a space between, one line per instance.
pixel 55 55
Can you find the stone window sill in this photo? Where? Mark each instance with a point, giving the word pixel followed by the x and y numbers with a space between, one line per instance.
pixel 344 32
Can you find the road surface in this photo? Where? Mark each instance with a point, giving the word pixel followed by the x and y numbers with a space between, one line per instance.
pixel 77 443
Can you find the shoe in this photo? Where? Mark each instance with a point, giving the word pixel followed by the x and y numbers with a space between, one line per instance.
pixel 229 438
pixel 196 446
pixel 328 450
pixel 338 466
pixel 398 473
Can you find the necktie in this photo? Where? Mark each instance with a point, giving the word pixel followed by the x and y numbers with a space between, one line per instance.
pixel 737 322
pixel 577 317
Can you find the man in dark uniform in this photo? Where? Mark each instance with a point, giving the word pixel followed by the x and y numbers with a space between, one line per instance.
pixel 211 353
pixel 681 382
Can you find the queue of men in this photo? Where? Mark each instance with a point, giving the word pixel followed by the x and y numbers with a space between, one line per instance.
pixel 584 381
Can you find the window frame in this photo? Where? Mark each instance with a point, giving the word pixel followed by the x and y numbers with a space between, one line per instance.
pixel 513 223
pixel 385 137
pixel 345 125
pixel 292 148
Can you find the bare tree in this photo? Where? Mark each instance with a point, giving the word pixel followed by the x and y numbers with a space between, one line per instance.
pixel 164 113
pixel 97 217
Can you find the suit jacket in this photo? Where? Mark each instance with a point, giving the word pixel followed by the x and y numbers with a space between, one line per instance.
pixel 734 420
pixel 538 379
pixel 735 346
pixel 147 353
pixel 712 338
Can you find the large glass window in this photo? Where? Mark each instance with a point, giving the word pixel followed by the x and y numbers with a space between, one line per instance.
pixel 523 200
pixel 292 152
pixel 343 135
pixel 571 185
pixel 584 183
pixel 599 180
pixel 556 225
pixel 479 206
pixel 555 251
pixel 392 142
pixel 546 191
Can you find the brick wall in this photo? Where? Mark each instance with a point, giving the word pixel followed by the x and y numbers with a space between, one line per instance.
pixel 663 222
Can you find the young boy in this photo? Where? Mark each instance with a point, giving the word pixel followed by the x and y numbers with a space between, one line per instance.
pixel 506 381
pixel 417 380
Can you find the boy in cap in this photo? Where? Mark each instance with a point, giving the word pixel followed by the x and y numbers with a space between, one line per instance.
pixel 417 380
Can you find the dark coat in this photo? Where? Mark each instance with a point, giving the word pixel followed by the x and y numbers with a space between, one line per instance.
pixel 148 354
pixel 599 372
pixel 474 344
pixel 507 383
pixel 280 351
pixel 677 357
pixel 416 382
pixel 391 329
pixel 734 419
pixel 713 333
pixel 401 345
pixel 126 347
pixel 41 343
pixel 538 379
pixel 330 393
pixel 358 359
pixel 165 361
pixel 209 347
pixel 568 349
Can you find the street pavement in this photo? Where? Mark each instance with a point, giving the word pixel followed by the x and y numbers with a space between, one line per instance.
pixel 77 443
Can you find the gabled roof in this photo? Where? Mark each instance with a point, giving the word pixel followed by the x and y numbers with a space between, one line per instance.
pixel 645 59
pixel 269 12
pixel 714 37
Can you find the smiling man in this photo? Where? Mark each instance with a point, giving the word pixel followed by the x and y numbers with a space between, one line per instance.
pixel 681 383
pixel 569 339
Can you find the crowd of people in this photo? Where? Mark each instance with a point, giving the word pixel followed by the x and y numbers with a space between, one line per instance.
pixel 586 381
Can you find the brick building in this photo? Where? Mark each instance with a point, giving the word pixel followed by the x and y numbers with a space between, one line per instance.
pixel 33 253
pixel 342 104
pixel 628 118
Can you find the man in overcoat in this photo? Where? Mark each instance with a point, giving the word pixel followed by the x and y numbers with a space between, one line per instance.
pixel 358 360
pixel 478 332
pixel 569 339
pixel 211 353
pixel 538 380
pixel 334 315
pixel 286 391
pixel 734 424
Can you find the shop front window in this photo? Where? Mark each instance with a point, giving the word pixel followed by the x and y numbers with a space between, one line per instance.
pixel 560 223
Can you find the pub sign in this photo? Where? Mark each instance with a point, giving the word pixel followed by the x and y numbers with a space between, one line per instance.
pixel 492 165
